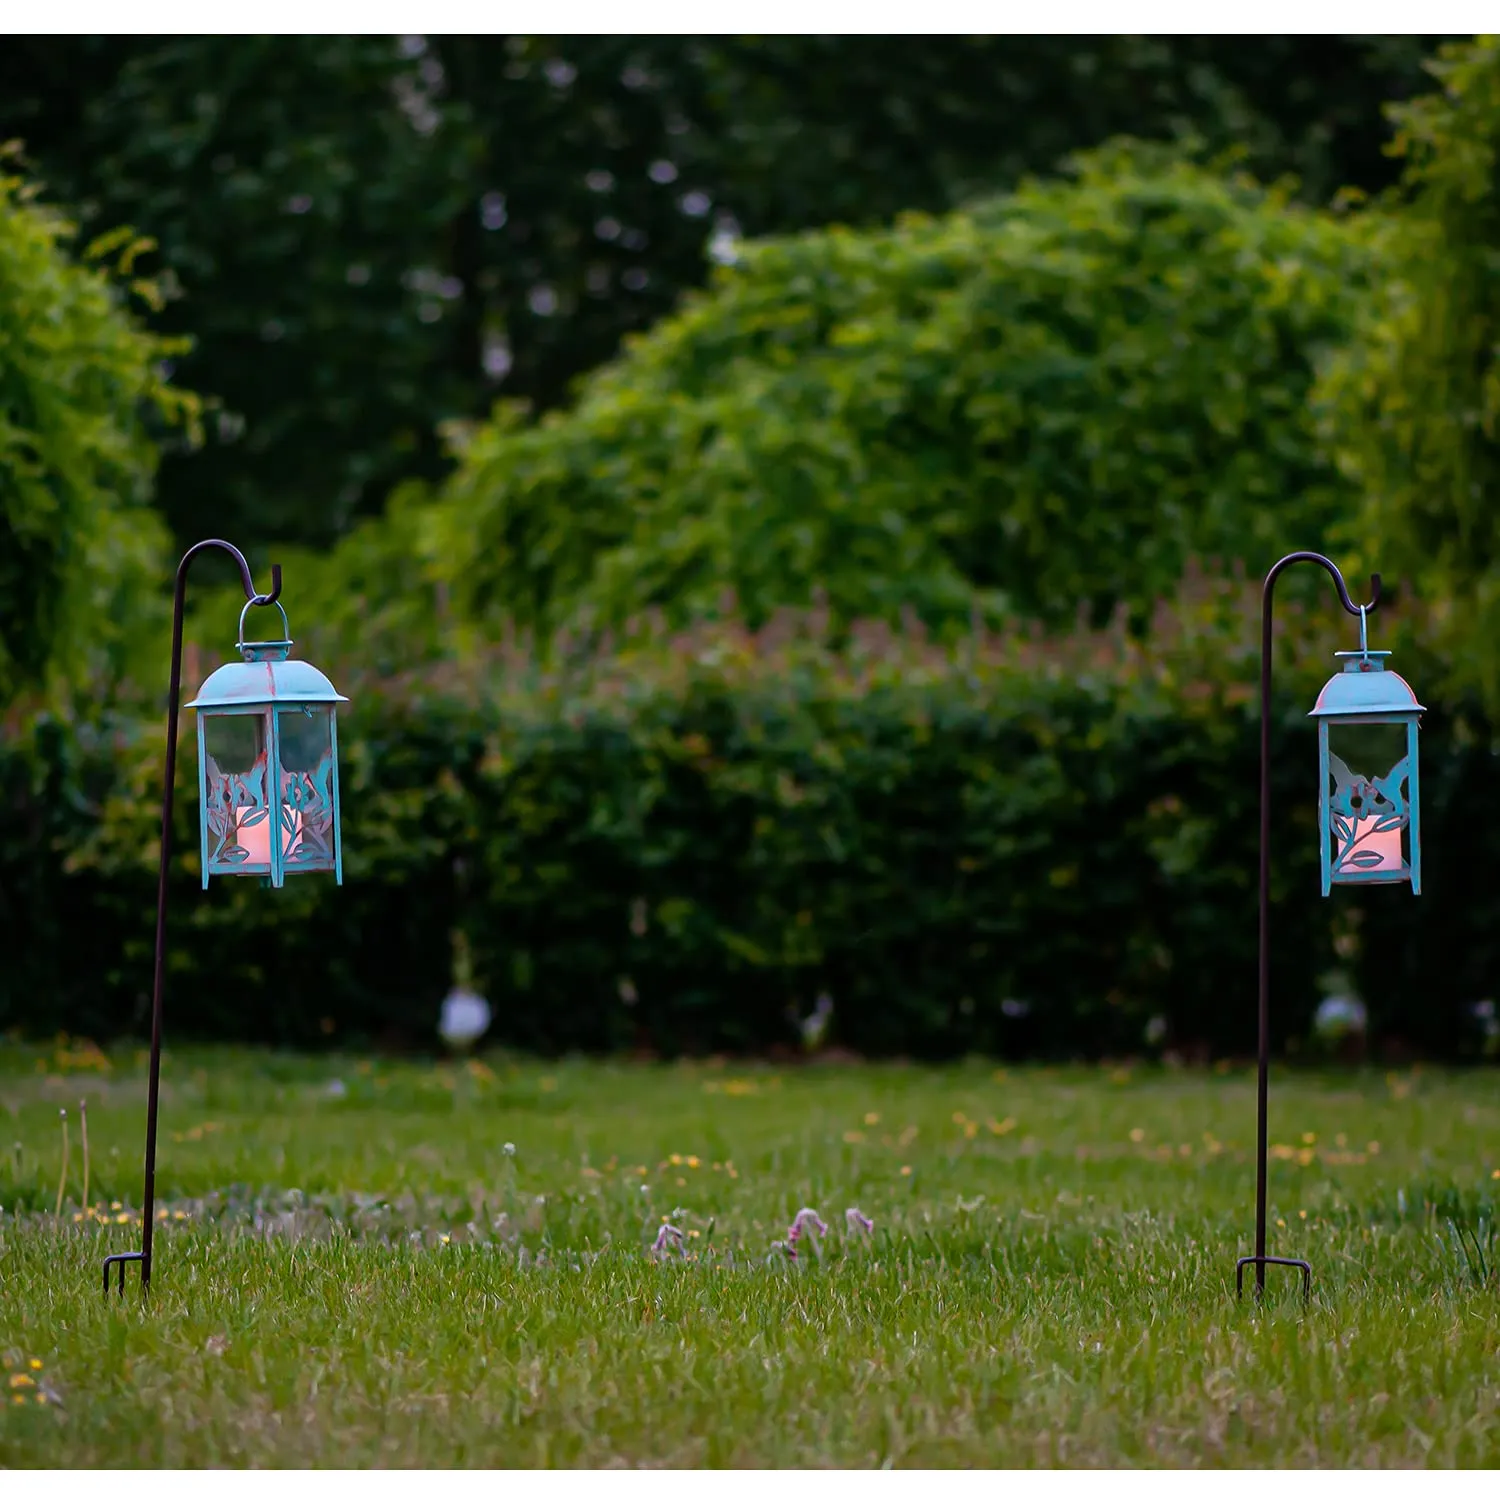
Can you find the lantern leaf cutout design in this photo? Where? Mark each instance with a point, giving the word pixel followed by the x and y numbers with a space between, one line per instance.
pixel 1368 806
pixel 268 765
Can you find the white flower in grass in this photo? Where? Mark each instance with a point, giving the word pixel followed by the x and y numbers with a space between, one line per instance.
pixel 1340 1016
pixel 465 1018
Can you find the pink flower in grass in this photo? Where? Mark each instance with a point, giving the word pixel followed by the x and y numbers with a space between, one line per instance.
pixel 668 1237
pixel 858 1222
pixel 805 1216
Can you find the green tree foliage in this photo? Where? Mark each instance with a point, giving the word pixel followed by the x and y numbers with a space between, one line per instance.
pixel 371 234
pixel 83 404
pixel 1050 402
pixel 1413 406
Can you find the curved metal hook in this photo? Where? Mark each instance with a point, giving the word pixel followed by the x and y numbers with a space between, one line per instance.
pixel 247 582
pixel 1333 572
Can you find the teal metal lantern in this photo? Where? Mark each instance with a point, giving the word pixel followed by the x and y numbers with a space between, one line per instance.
pixel 268 765
pixel 1369 809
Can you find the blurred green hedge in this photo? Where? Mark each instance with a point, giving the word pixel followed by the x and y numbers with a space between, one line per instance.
pixel 1017 844
pixel 1053 399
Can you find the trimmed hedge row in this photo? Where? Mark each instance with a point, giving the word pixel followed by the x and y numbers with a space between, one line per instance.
pixel 1016 845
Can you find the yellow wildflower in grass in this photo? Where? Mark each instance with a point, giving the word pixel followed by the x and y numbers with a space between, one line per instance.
pixel 692 1161
pixel 20 1380
pixel 853 1137
pixel 871 1118
pixel 906 1171
pixel 35 1364
pixel 1137 1135
pixel 971 1129
pixel 675 1159
pixel 21 1400
pixel 1309 1138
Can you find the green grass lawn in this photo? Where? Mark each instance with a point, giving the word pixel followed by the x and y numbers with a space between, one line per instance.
pixel 382 1264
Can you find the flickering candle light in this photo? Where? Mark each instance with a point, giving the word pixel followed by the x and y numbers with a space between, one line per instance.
pixel 1386 843
pixel 255 840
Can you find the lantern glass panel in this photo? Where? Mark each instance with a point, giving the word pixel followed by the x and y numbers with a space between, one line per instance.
pixel 1368 799
pixel 305 740
pixel 237 804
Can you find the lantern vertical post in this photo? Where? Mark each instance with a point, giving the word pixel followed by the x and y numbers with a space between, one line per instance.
pixel 174 693
pixel 1260 1260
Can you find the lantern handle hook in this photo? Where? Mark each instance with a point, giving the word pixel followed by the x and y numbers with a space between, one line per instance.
pixel 1364 636
pixel 286 629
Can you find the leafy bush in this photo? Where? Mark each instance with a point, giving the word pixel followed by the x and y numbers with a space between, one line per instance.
pixel 1052 400
pixel 84 401
pixel 1012 843
pixel 1413 404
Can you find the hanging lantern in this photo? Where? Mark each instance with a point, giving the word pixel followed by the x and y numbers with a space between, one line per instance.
pixel 1367 756
pixel 268 771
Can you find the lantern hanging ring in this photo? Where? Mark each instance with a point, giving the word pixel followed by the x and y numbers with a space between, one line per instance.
pixel 286 629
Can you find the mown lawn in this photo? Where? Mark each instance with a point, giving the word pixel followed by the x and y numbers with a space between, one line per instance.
pixel 367 1263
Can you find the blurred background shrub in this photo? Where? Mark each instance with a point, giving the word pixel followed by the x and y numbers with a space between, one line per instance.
pixel 771 582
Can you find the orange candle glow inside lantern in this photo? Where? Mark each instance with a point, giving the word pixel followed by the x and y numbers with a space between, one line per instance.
pixel 268 766
pixel 1368 806
pixel 1386 844
pixel 255 838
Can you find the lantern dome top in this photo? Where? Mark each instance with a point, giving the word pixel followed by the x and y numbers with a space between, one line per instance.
pixel 265 679
pixel 265 676
pixel 1364 689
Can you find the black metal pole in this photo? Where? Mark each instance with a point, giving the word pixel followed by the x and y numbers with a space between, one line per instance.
pixel 1260 1260
pixel 174 693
